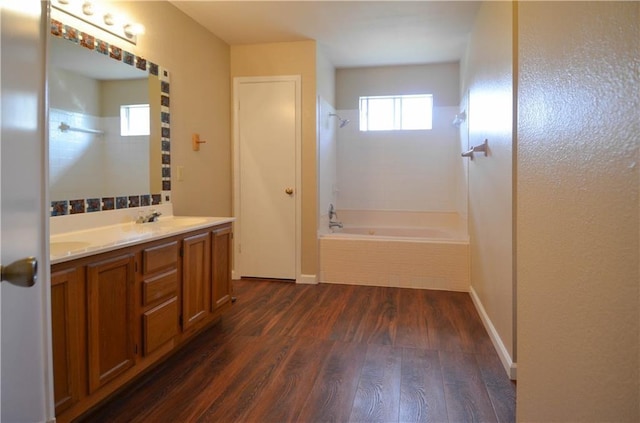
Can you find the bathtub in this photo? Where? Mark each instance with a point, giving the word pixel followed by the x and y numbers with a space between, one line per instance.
pixel 380 249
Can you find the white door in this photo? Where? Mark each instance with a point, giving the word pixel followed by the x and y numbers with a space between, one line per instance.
pixel 267 126
pixel 25 387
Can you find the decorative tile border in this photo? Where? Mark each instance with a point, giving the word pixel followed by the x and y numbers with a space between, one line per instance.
pixel 90 205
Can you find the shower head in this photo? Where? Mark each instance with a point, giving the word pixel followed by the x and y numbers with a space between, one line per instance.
pixel 343 122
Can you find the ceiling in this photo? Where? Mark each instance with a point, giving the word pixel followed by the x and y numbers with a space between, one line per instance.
pixel 74 58
pixel 349 33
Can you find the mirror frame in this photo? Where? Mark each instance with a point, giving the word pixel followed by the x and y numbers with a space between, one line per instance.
pixel 61 207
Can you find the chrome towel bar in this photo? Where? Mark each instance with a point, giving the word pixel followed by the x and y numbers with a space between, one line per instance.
pixel 64 128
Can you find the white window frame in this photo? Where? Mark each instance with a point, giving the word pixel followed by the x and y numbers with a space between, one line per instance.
pixel 126 129
pixel 364 105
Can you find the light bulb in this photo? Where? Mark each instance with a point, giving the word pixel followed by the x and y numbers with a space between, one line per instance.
pixel 108 19
pixel 133 29
pixel 87 8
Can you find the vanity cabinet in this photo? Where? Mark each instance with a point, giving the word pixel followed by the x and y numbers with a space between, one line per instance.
pixel 196 277
pixel 67 326
pixel 110 334
pixel 221 288
pixel 159 296
pixel 118 313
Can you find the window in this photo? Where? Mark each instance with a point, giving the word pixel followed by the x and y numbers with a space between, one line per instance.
pixel 134 120
pixel 398 112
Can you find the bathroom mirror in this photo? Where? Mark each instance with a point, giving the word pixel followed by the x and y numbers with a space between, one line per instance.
pixel 108 126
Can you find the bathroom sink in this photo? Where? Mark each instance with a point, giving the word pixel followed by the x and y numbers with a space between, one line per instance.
pixel 60 248
pixel 181 221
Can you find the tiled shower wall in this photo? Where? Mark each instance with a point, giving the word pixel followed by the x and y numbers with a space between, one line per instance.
pixel 77 158
pixel 399 170
pixel 418 170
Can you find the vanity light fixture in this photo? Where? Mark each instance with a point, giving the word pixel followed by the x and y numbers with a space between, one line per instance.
pixel 97 15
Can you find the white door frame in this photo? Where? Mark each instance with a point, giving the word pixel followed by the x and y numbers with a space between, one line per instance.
pixel 237 265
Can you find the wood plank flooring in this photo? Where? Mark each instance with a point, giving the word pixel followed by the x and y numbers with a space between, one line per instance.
pixel 328 353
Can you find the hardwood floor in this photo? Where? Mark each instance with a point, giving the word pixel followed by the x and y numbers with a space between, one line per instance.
pixel 328 353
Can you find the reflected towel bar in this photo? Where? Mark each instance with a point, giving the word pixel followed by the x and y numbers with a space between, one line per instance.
pixel 482 148
pixel 64 128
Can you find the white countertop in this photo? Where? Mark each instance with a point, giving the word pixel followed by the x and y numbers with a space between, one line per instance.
pixel 72 245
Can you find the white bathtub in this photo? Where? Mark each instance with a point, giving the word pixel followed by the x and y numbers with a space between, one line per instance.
pixel 373 249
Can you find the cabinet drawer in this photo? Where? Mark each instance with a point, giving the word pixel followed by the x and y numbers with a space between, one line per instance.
pixel 159 287
pixel 160 325
pixel 163 256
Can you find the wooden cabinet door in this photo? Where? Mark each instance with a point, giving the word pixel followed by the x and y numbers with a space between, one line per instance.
pixel 221 289
pixel 67 315
pixel 111 347
pixel 196 277
pixel 159 325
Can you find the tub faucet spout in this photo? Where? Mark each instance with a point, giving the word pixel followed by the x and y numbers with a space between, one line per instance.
pixel 335 225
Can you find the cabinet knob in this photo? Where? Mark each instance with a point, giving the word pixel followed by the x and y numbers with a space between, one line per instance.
pixel 288 191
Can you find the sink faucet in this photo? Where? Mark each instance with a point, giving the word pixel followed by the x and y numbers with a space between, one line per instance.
pixel 151 217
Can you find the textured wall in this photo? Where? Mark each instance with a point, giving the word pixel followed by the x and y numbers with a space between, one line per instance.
pixel 577 211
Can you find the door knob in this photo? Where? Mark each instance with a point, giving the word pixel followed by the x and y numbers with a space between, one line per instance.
pixel 20 273
pixel 289 191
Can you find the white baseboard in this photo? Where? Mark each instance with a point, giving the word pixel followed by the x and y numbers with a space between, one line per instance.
pixel 509 366
pixel 307 279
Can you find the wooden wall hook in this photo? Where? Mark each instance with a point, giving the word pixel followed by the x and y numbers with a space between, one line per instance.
pixel 196 141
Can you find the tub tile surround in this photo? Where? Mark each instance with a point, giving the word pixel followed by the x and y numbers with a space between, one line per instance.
pixel 395 263
pixel 62 207
pixel 404 262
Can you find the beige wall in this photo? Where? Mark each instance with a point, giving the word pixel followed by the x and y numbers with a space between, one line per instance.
pixel 577 211
pixel 114 94
pixel 488 85
pixel 200 102
pixel 294 58
pixel 439 79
